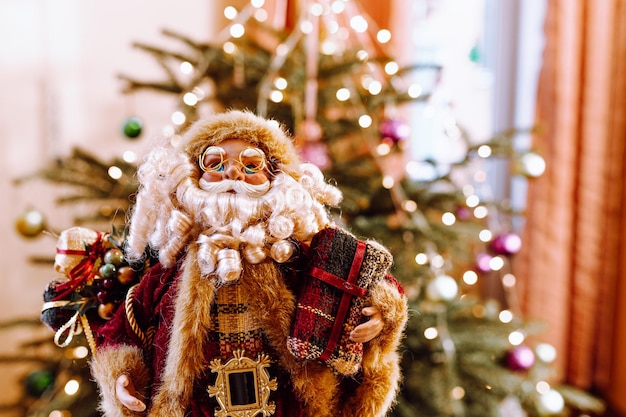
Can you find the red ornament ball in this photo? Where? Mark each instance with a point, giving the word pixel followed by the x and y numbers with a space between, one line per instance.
pixel 394 130
pixel 520 358
pixel 506 244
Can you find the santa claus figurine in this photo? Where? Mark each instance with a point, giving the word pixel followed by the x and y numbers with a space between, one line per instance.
pixel 259 304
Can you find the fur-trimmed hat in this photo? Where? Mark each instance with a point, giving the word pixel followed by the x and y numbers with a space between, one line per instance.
pixel 268 135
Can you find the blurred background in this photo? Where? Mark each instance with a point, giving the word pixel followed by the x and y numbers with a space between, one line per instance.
pixel 480 140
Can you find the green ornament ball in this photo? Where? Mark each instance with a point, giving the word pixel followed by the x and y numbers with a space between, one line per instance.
pixel 37 382
pixel 107 270
pixel 30 223
pixel 132 127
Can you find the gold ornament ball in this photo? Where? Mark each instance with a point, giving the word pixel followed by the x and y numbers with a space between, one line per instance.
pixel 126 275
pixel 30 224
pixel 105 311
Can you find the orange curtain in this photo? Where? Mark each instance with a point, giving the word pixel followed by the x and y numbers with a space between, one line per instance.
pixel 572 272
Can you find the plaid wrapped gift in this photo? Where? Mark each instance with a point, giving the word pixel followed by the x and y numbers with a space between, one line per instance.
pixel 340 270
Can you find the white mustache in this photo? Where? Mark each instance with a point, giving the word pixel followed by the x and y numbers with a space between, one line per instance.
pixel 239 187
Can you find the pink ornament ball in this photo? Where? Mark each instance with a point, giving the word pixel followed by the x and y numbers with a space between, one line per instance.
pixel 463 213
pixel 506 244
pixel 394 130
pixel 520 358
pixel 317 154
pixel 483 262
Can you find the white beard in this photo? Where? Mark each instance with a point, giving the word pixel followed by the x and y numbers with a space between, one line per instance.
pixel 239 220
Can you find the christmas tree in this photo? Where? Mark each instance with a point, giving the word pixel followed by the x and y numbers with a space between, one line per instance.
pixel 329 80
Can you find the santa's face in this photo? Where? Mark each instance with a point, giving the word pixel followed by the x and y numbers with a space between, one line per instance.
pixel 236 160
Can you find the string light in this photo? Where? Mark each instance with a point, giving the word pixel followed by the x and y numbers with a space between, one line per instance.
pixel 472 201
pixel 485 235
pixel 484 151
pixel 190 99
pixel 532 165
pixel 230 12
pixel 229 48
pixel 129 156
pixel 366 80
pixel 391 68
pixel 414 91
pixel 409 205
pixel 383 149
pixel 261 15
pixel 329 47
pixel 470 277
pixel 306 27
pixel 481 212
pixel 421 259
pixel 457 393
pixel 276 96
pixel 280 83
pixel 437 261
pixel 383 36
pixel 388 182
pixel 343 94
pixel 282 50
pixel 509 280
pixel 316 9
pixel 71 387
pixel 178 118
pixel 546 352
pixel 186 68
pixel 237 30
pixel 431 333
pixel 80 352
pixel 496 263
pixel 365 121
pixel 468 190
pixel 448 219
pixel 505 316
pixel 115 172
pixel 551 402
pixel 338 6
pixel 542 387
pixel 375 87
pixel 516 338
pixel 358 23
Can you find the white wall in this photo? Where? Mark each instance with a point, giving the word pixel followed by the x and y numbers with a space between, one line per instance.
pixel 58 65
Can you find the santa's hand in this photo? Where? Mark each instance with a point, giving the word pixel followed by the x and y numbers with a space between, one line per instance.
pixel 125 391
pixel 371 328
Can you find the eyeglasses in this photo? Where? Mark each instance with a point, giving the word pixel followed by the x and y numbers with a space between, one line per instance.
pixel 251 159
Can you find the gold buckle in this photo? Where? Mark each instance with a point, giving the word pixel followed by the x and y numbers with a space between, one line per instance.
pixel 243 385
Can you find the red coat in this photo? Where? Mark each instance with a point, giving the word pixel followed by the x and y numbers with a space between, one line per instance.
pixel 172 371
